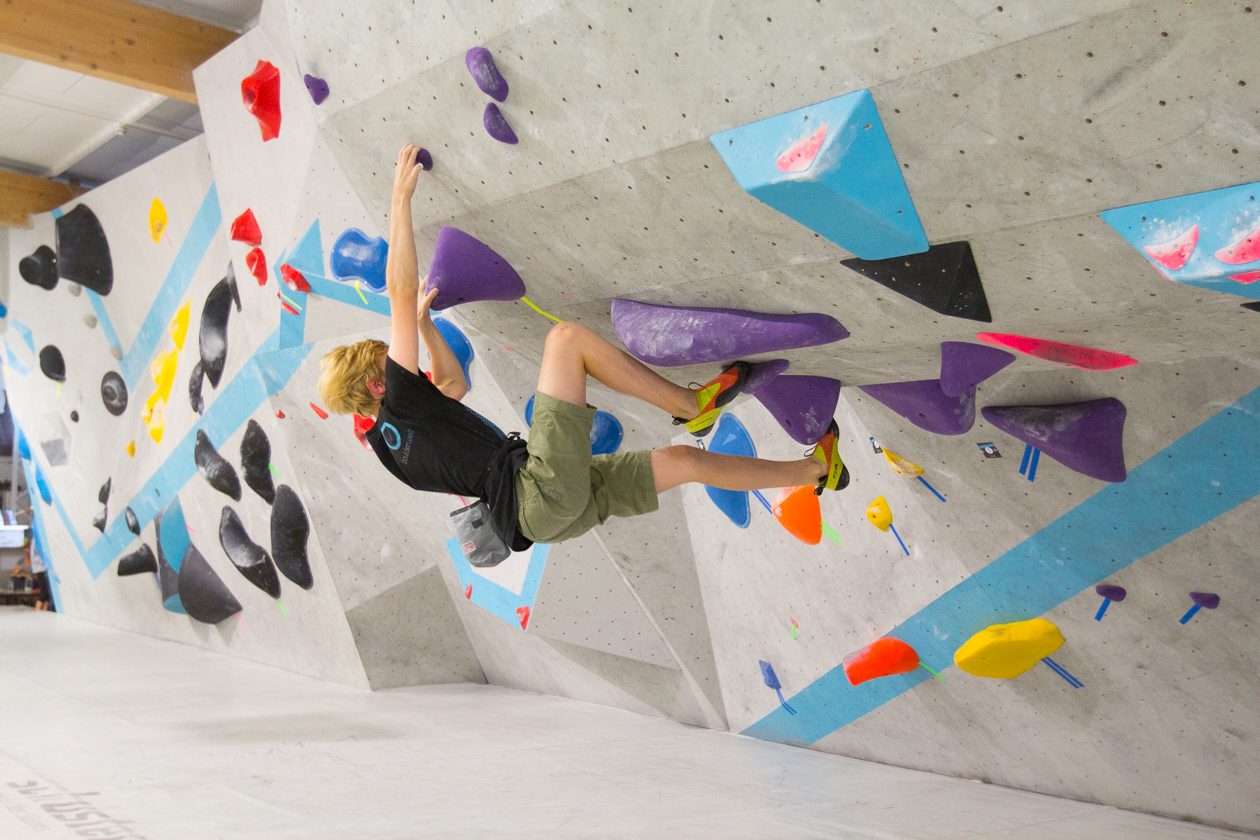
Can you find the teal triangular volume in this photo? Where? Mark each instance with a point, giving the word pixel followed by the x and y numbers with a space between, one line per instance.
pixel 830 167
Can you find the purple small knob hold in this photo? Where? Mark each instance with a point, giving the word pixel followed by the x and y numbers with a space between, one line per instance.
pixel 1202 601
pixel 497 125
pixel 316 87
pixel 424 159
pixel 484 72
pixel 1111 592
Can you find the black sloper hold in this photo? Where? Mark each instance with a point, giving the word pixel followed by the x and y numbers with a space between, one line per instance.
pixel 40 268
pixel 83 251
pixel 217 470
pixel 138 562
pixel 249 558
pixel 99 522
pixel 256 461
pixel 114 393
pixel 289 531
pixel 212 340
pixel 204 594
pixel 103 495
pixel 74 417
pixel 194 388
pixel 52 364
pixel 133 524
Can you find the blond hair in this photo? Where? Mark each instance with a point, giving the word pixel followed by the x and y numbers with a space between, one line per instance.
pixel 343 375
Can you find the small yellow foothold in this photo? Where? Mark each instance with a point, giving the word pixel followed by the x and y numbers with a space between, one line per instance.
pixel 901 466
pixel 1004 651
pixel 879 514
pixel 157 219
pixel 131 449
pixel 179 325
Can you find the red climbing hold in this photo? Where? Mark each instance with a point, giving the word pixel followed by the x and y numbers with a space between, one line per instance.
pixel 801 155
pixel 1173 254
pixel 245 229
pixel 260 91
pixel 294 279
pixel 323 415
pixel 881 658
pixel 1244 250
pixel 523 614
pixel 361 427
pixel 256 261
pixel 1246 277
pixel 1072 355
pixel 279 415
pixel 468 592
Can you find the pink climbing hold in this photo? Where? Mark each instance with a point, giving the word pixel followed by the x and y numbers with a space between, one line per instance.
pixel 256 261
pixel 294 279
pixel 1243 250
pixel 523 614
pixel 1246 277
pixel 1072 355
pixel 245 229
pixel 800 156
pixel 260 91
pixel 1174 254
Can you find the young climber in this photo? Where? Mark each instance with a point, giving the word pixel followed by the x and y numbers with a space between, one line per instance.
pixel 550 488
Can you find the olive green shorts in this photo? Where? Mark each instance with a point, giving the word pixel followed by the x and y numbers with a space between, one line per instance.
pixel 562 490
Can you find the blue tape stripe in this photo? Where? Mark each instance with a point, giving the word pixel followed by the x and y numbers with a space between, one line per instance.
pixel 342 293
pixel 491 597
pixel 21 329
pixel 15 363
pixel 1207 472
pixel 167 300
pixel 102 318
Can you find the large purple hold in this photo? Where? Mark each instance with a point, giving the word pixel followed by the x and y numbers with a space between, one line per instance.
pixel 316 87
pixel 924 404
pixel 1087 436
pixel 760 373
pixel 485 73
pixel 674 335
pixel 497 125
pixel 965 365
pixel 465 269
pixel 803 405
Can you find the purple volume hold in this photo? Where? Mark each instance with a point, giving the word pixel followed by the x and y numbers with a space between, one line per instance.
pixel 486 74
pixel 803 405
pixel 497 125
pixel 675 335
pixel 759 373
pixel 965 365
pixel 1087 436
pixel 924 404
pixel 465 269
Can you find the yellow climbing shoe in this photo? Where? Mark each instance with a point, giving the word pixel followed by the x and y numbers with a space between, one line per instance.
pixel 713 395
pixel 827 450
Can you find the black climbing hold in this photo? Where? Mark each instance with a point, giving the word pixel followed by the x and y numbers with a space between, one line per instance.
pixel 40 268
pixel 290 529
pixel 52 364
pixel 217 470
pixel 138 562
pixel 212 339
pixel 230 277
pixel 74 417
pixel 256 461
pixel 114 393
pixel 249 558
pixel 83 250
pixel 99 522
pixel 194 388
pixel 944 279
pixel 103 495
pixel 133 524
pixel 1254 306
pixel 206 597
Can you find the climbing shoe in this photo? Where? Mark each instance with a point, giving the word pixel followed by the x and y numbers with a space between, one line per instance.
pixel 827 450
pixel 713 395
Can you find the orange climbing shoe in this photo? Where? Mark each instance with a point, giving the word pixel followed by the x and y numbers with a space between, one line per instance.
pixel 713 395
pixel 827 450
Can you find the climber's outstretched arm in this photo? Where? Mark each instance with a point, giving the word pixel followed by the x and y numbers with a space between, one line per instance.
pixel 402 276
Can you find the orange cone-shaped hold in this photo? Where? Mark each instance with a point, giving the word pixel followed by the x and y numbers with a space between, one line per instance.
pixel 797 510
pixel 881 658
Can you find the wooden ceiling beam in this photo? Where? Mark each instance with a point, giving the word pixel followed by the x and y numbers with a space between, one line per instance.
pixel 117 40
pixel 23 195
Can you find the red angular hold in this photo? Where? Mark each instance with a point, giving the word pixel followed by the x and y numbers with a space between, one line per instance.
pixel 256 261
pixel 245 229
pixel 468 592
pixel 323 415
pixel 881 658
pixel 523 614
pixel 279 415
pixel 260 91
pixel 294 279
pixel 362 425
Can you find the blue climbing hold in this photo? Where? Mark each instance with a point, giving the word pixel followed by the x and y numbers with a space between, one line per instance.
pixel 42 485
pixel 24 448
pixel 459 344
pixel 357 256
pixel 731 438
pixel 606 430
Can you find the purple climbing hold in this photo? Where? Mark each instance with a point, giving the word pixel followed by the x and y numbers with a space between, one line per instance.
pixel 759 373
pixel 675 335
pixel 924 404
pixel 1087 436
pixel 465 269
pixel 1111 591
pixel 803 405
pixel 486 74
pixel 316 87
pixel 965 365
pixel 497 125
pixel 1207 600
pixel 424 159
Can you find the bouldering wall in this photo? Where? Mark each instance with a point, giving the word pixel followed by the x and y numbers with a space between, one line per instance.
pixel 951 227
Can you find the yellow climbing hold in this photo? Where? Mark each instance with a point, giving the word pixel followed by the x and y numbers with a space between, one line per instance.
pixel 1004 651
pixel 179 325
pixel 157 423
pixel 901 465
pixel 880 514
pixel 131 449
pixel 157 219
pixel 163 371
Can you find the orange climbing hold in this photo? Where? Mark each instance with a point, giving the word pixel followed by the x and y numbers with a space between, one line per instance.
pixel 256 261
pixel 797 510
pixel 260 91
pixel 881 658
pixel 245 229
